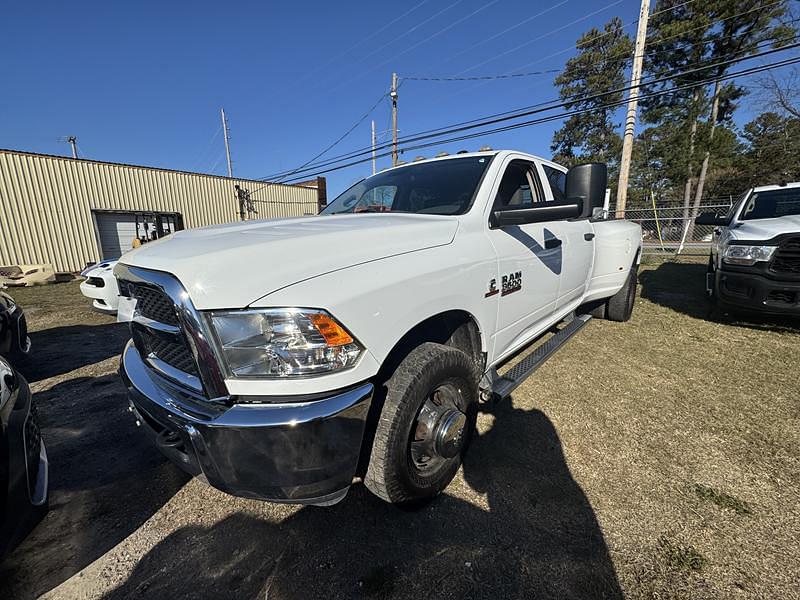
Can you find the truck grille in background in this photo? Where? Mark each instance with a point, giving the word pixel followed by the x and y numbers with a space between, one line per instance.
pixel 153 303
pixel 33 445
pixel 787 257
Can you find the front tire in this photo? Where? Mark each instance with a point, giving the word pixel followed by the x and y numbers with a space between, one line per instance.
pixel 425 424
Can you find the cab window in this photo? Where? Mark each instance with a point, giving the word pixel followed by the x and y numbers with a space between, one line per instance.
pixel 558 182
pixel 518 188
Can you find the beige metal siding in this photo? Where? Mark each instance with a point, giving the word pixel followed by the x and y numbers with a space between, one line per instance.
pixel 46 203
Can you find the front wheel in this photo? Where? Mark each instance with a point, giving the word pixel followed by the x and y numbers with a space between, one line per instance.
pixel 425 424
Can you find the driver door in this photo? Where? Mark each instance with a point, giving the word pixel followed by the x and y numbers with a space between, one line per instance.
pixel 529 262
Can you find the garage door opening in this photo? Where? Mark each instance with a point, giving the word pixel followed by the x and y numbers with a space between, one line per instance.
pixel 117 230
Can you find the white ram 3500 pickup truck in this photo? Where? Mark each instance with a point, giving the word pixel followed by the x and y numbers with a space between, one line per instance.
pixel 280 359
pixel 755 252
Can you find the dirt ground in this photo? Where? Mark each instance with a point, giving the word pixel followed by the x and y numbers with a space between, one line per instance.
pixel 653 459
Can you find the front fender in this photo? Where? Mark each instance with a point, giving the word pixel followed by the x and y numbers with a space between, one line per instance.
pixel 380 301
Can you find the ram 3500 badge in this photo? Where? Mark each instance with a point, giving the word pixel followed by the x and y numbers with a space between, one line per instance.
pixel 280 359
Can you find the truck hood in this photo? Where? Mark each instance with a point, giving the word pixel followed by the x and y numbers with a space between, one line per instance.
pixel 764 229
pixel 231 266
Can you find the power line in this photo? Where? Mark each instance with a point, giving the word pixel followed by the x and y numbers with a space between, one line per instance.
pixel 541 37
pixel 410 30
pixel 437 34
pixel 204 153
pixel 743 73
pixel 480 77
pixel 602 61
pixel 543 107
pixel 364 40
pixel 538 108
pixel 505 31
pixel 650 43
pixel 329 147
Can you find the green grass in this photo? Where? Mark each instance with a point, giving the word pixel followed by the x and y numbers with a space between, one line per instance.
pixel 722 499
pixel 680 557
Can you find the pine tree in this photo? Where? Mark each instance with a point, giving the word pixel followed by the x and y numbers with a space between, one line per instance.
pixel 598 67
pixel 713 35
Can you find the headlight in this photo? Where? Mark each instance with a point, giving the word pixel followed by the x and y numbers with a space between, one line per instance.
pixel 739 254
pixel 283 342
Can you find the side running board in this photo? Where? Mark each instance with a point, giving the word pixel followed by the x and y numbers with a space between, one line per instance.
pixel 504 384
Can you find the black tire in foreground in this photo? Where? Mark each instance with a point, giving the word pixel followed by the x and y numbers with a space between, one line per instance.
pixel 620 305
pixel 425 424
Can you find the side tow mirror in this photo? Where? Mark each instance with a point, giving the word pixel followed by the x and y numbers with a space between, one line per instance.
pixel 550 211
pixel 587 182
pixel 713 219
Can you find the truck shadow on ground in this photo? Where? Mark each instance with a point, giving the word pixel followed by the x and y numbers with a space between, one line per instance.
pixel 681 287
pixel 539 538
pixel 105 481
pixel 59 350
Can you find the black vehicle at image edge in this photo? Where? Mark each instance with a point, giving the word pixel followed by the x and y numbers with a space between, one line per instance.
pixel 23 458
pixel 14 340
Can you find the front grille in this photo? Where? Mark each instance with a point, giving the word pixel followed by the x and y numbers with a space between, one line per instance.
pixel 33 445
pixel 161 336
pixel 787 257
pixel 96 281
pixel 174 354
pixel 781 297
pixel 153 304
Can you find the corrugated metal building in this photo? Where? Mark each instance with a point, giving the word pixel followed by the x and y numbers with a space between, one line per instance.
pixel 69 212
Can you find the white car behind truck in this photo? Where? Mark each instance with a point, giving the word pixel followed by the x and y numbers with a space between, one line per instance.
pixel 281 359
pixel 755 252
pixel 100 286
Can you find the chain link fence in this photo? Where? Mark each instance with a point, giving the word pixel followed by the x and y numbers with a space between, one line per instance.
pixel 669 229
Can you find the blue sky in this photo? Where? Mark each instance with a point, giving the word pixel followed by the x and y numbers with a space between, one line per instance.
pixel 143 82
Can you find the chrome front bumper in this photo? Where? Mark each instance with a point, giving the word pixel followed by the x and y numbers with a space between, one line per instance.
pixel 298 452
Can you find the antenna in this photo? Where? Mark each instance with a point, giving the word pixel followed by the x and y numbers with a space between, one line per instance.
pixel 72 141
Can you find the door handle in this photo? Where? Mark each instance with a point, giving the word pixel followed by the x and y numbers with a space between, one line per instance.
pixel 552 243
pixel 588 236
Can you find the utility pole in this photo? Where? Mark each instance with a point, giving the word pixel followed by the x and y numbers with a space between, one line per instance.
pixel 73 141
pixel 393 96
pixel 227 133
pixel 633 100
pixel 373 146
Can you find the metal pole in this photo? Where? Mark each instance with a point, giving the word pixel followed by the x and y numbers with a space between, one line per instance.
pixel 373 146
pixel 227 134
pixel 630 119
pixel 393 95
pixel 73 141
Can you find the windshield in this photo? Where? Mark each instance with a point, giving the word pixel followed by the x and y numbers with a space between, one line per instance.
pixel 772 204
pixel 442 187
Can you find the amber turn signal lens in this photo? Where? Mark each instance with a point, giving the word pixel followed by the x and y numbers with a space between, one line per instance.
pixel 332 332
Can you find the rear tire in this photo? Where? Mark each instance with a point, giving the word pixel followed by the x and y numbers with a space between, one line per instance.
pixel 425 424
pixel 620 305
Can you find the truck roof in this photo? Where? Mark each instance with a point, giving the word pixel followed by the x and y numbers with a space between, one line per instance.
pixel 478 153
pixel 766 188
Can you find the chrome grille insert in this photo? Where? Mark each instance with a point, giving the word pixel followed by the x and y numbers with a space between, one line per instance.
pixel 169 333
